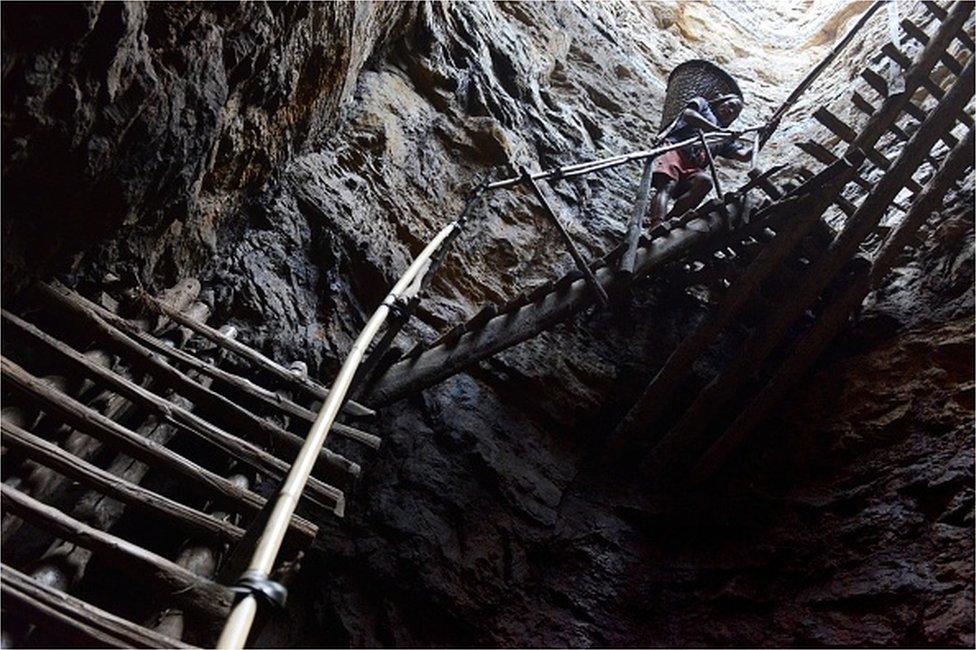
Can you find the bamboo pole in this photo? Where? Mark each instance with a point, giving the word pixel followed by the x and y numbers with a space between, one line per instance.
pixel 238 625
pixel 581 169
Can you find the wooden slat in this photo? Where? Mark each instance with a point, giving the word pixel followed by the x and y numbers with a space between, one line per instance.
pixel 834 317
pixel 111 329
pixel 177 415
pixel 71 620
pixel 197 594
pixel 689 435
pixel 843 131
pixel 52 456
pixel 305 384
pixel 98 426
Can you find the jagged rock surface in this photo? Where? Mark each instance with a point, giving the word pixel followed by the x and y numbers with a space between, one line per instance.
pixel 300 185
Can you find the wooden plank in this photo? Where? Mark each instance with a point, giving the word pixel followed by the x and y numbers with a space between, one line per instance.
pixel 848 135
pixel 834 317
pixel 196 594
pixel 299 381
pixel 915 32
pixel 98 426
pixel 71 620
pixel 506 330
pixel 635 225
pixel 177 415
pixel 689 435
pixel 111 328
pixel 52 456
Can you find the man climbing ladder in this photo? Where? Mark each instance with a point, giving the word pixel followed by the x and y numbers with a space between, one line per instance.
pixel 681 173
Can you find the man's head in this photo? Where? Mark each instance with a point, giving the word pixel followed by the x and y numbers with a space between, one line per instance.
pixel 726 108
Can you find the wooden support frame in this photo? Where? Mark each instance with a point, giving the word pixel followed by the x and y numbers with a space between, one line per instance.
pixel 178 416
pixel 191 591
pixel 98 426
pixel 508 329
pixel 72 619
pixel 109 327
pixel 312 388
pixel 50 455
pixel 835 316
pixel 691 428
pixel 657 395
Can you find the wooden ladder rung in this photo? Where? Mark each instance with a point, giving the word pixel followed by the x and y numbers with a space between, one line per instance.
pixel 836 126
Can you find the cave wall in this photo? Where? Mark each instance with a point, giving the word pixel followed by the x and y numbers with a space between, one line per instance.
pixel 296 156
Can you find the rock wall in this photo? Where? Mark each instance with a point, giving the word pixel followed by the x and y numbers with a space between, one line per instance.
pixel 139 126
pixel 297 156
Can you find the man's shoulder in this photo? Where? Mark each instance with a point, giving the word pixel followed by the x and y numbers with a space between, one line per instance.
pixel 698 103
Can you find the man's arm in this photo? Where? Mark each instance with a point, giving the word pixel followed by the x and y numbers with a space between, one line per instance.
pixel 693 118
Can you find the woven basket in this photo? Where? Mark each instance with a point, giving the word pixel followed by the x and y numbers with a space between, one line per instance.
pixel 695 78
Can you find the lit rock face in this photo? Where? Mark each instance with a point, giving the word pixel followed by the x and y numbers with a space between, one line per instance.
pixel 484 519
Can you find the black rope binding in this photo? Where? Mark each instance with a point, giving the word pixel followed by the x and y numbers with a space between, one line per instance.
pixel 271 595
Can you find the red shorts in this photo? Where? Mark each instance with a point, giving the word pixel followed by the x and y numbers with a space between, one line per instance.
pixel 673 165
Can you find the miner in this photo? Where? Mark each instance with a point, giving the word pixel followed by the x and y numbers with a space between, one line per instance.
pixel 681 173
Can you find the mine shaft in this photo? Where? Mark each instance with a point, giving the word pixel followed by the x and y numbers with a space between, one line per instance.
pixel 470 324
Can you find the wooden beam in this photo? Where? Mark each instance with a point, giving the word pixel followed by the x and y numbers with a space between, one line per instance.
pixel 689 434
pixel 71 620
pixel 301 382
pixel 177 415
pixel 635 225
pixel 197 594
pixel 111 328
pixel 52 456
pixel 659 392
pixel 508 329
pixel 835 316
pixel 98 426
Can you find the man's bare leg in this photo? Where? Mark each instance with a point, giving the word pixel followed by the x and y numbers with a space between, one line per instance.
pixel 659 205
pixel 698 187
